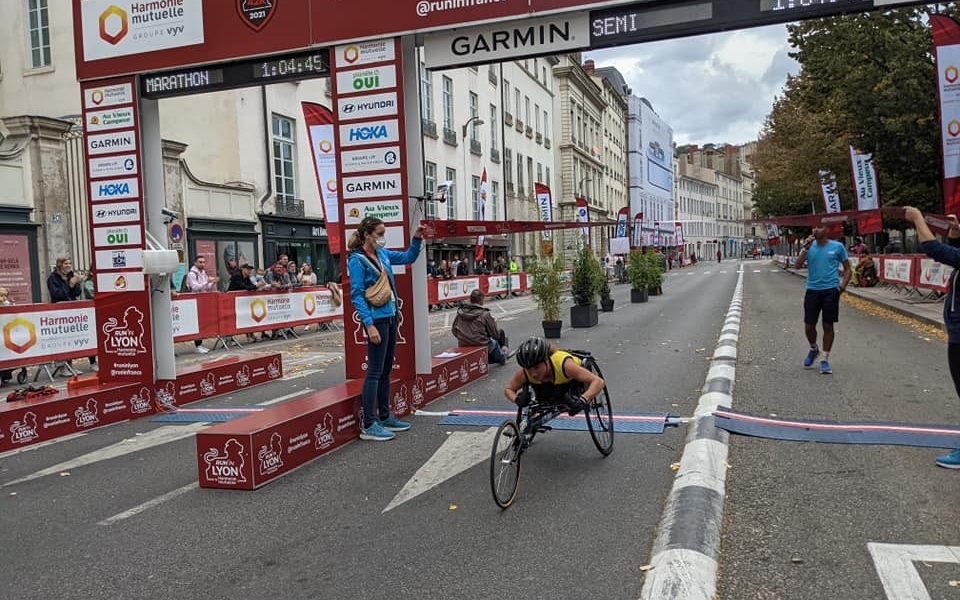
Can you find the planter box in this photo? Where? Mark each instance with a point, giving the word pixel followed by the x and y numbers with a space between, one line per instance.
pixel 583 316
pixel 606 305
pixel 551 329
pixel 638 295
pixel 655 290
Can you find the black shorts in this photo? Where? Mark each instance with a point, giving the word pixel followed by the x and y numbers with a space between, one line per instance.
pixel 827 301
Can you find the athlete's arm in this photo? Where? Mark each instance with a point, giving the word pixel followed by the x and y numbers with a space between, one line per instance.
pixel 574 371
pixel 513 386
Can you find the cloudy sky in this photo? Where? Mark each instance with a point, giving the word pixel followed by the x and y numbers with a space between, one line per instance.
pixel 710 88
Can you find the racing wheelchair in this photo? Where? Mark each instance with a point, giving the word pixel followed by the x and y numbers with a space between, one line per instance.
pixel 514 436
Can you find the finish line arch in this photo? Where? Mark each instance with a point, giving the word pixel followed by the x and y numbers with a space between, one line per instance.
pixel 129 54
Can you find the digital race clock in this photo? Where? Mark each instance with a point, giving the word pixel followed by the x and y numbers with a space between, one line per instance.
pixel 306 64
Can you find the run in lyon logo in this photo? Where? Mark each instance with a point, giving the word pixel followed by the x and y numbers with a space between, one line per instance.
pixel 86 416
pixel 416 394
pixel 24 431
pixel 208 385
pixel 140 402
pixel 463 372
pixel 271 455
pixel 323 433
pixel 226 468
pixel 167 396
pixel 255 14
pixel 400 400
pixel 273 369
pixel 243 376
pixel 125 339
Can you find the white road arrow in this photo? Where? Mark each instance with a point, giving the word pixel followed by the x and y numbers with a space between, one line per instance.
pixel 894 564
pixel 460 451
pixel 156 437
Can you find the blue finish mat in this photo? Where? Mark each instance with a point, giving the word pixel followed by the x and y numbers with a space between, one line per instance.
pixel 206 415
pixel 622 422
pixel 837 432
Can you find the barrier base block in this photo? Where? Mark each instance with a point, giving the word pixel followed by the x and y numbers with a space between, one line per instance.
pixel 249 452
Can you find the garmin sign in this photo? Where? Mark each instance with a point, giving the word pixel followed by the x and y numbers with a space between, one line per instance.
pixel 495 43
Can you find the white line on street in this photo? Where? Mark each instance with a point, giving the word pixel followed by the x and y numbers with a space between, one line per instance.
pixel 161 435
pixel 458 453
pixel 42 444
pixel 286 397
pixel 300 374
pixel 149 504
pixel 894 563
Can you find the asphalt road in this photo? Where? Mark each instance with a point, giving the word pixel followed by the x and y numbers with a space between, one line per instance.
pixel 413 518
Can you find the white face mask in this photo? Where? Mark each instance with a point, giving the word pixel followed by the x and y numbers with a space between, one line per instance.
pixel 381 242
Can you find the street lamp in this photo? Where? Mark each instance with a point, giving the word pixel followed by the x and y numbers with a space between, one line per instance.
pixel 471 120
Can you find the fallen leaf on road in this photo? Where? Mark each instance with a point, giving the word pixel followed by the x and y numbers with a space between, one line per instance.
pixel 953 583
pixel 796 561
pixel 453 507
pixel 675 466
pixel 470 400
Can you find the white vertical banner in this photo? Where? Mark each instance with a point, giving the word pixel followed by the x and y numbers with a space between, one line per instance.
pixel 828 185
pixel 864 180
pixel 546 207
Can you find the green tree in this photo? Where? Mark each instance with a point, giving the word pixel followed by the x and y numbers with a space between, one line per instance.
pixel 868 80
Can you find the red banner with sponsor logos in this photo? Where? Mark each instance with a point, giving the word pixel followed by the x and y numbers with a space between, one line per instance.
pixel 437 230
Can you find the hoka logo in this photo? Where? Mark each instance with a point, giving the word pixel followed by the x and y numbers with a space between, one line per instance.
pixel 114 189
pixel 368 133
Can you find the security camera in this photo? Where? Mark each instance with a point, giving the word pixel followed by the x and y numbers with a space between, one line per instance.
pixel 169 213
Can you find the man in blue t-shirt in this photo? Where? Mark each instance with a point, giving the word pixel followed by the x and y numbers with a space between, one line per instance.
pixel 822 257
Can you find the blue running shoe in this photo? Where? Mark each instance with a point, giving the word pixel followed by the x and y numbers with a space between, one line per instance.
pixel 825 368
pixel 950 461
pixel 376 433
pixel 811 356
pixel 392 423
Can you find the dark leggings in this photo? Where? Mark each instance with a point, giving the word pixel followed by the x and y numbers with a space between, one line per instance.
pixel 953 359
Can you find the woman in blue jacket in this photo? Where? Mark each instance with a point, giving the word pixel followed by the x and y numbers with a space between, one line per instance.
pixel 368 258
pixel 948 254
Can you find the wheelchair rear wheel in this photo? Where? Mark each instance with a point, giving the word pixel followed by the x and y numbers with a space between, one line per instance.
pixel 505 464
pixel 599 414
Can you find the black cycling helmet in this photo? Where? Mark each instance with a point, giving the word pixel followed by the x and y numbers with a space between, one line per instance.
pixel 532 352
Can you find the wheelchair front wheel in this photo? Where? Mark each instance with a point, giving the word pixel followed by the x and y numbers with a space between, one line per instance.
pixel 505 464
pixel 599 415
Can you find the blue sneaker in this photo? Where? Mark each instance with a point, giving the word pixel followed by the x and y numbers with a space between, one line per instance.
pixel 811 356
pixel 376 433
pixel 392 423
pixel 825 368
pixel 950 461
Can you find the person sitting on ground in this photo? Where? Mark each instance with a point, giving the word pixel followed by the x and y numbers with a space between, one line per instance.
pixel 866 271
pixel 555 376
pixel 474 325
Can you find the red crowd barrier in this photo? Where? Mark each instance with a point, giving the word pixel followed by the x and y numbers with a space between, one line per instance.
pixel 459 288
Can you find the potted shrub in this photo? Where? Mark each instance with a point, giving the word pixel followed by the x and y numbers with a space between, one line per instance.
pixel 584 285
pixel 639 279
pixel 655 267
pixel 546 273
pixel 606 302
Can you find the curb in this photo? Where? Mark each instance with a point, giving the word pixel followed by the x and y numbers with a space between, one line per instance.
pixel 687 549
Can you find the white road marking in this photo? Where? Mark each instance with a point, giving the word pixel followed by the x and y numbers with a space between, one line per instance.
pixel 42 444
pixel 286 397
pixel 460 451
pixel 149 504
pixel 161 435
pixel 894 563
pixel 300 374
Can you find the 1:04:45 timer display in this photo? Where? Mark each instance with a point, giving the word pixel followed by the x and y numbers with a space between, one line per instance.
pixel 294 65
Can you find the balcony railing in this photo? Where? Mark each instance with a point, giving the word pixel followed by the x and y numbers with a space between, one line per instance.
pixel 507 119
pixel 529 132
pixel 429 128
pixel 449 136
pixel 519 125
pixel 539 138
pixel 289 207
pixel 494 155
pixel 547 143
pixel 475 147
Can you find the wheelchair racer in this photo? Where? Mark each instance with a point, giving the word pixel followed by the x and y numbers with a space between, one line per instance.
pixel 555 376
